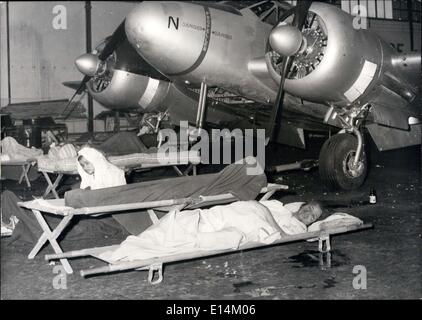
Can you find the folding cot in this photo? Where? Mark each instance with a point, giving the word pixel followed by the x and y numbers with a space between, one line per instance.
pixel 56 207
pixel 25 165
pixel 136 161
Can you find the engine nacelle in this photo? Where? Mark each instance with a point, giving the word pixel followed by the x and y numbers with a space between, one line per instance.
pixel 124 81
pixel 340 64
pixel 128 91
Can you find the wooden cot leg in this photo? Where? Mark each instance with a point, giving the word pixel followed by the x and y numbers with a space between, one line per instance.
pixel 24 174
pixel 152 269
pixel 325 260
pixel 52 186
pixel 153 216
pixel 189 170
pixel 324 244
pixel 180 173
pixel 267 196
pixel 51 237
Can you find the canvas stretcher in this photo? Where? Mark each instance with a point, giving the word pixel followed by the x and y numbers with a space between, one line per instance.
pixel 57 207
pixel 127 163
pixel 155 265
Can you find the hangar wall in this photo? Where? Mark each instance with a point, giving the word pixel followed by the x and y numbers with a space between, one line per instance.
pixel 4 96
pixel 397 33
pixel 42 57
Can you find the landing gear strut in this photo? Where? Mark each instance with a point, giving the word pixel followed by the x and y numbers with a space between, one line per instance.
pixel 200 116
pixel 343 163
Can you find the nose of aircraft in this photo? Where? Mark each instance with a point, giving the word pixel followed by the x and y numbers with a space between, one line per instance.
pixel 168 34
pixel 143 23
pixel 88 64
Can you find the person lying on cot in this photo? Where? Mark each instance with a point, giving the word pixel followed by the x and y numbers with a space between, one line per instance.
pixel 218 228
pixel 95 172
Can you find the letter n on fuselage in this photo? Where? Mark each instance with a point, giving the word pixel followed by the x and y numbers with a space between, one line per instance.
pixel 174 22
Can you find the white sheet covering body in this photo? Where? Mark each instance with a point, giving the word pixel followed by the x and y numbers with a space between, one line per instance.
pixel 218 228
pixel 12 150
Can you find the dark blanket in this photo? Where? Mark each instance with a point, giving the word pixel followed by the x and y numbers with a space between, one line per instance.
pixel 233 179
pixel 123 143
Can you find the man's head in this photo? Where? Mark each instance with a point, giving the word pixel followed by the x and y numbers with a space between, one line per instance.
pixel 309 213
pixel 86 165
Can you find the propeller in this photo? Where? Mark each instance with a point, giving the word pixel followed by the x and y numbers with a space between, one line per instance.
pixel 89 64
pixel 287 40
pixel 72 84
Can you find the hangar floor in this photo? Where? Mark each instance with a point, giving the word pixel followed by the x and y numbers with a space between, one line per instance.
pixel 390 252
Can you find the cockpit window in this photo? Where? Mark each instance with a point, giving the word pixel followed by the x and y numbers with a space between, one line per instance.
pixel 239 5
pixel 260 8
pixel 219 6
pixel 267 11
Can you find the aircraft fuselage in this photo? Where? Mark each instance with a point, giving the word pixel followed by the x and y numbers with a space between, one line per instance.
pixel 186 41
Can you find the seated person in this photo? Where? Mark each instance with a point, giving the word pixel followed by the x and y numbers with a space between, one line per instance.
pixel 96 173
pixel 218 228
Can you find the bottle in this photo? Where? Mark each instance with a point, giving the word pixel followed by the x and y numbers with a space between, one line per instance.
pixel 27 135
pixel 372 196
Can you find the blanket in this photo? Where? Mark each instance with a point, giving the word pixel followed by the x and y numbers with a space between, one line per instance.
pixel 123 143
pixel 232 179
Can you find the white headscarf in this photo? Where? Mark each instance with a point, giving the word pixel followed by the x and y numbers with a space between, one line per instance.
pixel 106 175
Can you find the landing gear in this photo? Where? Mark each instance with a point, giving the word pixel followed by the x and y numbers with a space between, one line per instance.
pixel 337 166
pixel 343 164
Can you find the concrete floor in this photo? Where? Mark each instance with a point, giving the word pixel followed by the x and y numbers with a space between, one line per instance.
pixel 391 252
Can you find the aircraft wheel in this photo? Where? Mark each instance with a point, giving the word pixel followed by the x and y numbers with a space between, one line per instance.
pixel 336 163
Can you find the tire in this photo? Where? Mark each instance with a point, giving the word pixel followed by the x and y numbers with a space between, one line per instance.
pixel 335 156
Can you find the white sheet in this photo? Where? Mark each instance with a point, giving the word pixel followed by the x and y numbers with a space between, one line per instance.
pixel 15 151
pixel 219 228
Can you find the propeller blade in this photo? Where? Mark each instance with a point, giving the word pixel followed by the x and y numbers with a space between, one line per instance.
pixel 80 89
pixel 301 13
pixel 275 120
pixel 299 20
pixel 118 36
pixel 72 84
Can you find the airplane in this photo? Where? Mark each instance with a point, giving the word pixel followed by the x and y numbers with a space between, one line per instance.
pixel 306 66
